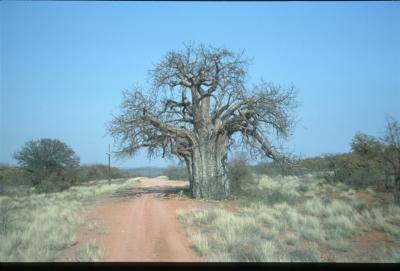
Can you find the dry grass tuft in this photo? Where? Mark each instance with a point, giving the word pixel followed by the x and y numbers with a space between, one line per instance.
pixel 299 210
pixel 39 227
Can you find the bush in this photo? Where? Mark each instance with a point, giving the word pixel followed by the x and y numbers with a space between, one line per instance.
pixel 51 185
pixel 176 173
pixel 45 158
pixel 314 166
pixel 271 169
pixel 97 172
pixel 239 173
pixel 355 170
pixel 16 181
pixel 13 176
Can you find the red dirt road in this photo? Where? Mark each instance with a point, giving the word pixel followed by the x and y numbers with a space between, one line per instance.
pixel 144 227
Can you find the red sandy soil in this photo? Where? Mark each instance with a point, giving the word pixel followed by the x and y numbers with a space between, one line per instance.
pixel 369 244
pixel 144 227
pixel 336 195
pixel 365 196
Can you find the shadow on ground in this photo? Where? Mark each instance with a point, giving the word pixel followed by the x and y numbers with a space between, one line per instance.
pixel 157 191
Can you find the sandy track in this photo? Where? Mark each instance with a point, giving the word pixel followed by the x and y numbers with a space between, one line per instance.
pixel 143 227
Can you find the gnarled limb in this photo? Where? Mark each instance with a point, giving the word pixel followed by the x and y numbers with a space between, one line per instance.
pixel 200 99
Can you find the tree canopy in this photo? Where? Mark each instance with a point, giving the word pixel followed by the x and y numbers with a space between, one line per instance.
pixel 198 99
pixel 44 157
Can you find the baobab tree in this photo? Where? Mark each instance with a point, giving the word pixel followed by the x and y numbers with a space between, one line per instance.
pixel 198 101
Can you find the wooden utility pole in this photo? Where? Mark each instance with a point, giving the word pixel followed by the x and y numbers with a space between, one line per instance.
pixel 109 165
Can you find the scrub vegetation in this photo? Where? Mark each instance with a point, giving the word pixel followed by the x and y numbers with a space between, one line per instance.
pixel 337 207
pixel 90 252
pixel 278 220
pixel 38 227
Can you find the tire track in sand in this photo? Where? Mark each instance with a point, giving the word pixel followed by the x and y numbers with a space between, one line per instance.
pixel 144 228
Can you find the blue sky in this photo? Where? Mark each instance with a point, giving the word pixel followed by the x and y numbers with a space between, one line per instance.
pixel 64 65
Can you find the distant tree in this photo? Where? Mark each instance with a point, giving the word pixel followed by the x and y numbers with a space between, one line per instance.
pixel 368 151
pixel 373 161
pixel 392 155
pixel 366 146
pixel 47 157
pixel 199 100
pixel 363 166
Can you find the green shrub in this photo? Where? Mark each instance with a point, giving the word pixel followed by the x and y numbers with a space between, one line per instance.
pixel 13 180
pixel 359 205
pixel 16 181
pixel 360 168
pixel 51 186
pixel 291 242
pixel 176 173
pixel 46 157
pixel 239 173
pixel 100 172
pixel 303 188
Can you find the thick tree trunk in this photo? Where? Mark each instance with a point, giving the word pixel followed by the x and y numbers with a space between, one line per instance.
pixel 207 170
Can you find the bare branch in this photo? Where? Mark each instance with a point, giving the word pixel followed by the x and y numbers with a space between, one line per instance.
pixel 199 99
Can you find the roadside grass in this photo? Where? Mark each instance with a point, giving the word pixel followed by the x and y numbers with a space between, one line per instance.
pixel 389 256
pixel 291 219
pixel 39 227
pixel 199 243
pixel 90 252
